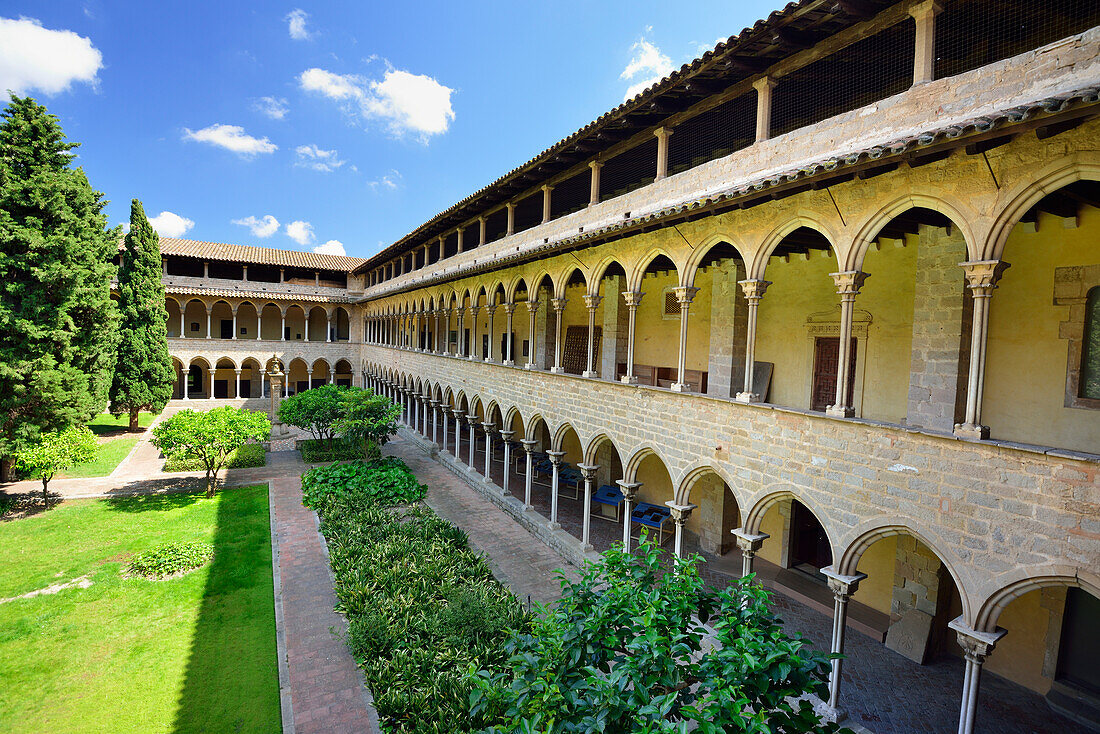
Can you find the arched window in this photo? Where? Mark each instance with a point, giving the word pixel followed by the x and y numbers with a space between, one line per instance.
pixel 1090 348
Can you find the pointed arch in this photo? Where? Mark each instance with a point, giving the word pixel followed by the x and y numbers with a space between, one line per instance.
pixel 755 267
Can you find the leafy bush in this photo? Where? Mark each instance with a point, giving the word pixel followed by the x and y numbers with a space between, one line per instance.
pixel 422 607
pixel 171 559
pixel 210 437
pixel 385 482
pixel 315 451
pixel 243 457
pixel 56 451
pixel 315 410
pixel 335 414
pixel 626 650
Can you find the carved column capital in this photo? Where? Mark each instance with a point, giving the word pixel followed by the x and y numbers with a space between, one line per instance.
pixel 848 282
pixel 588 471
pixel 842 586
pixel 976 645
pixel 680 513
pixel 555 457
pixel 629 489
pixel 488 427
pixel 632 299
pixel 533 306
pixel 749 543
pixel 529 444
pixel 491 309
pixel 559 303
pixel 754 289
pixel 982 276
pixel 507 435
pixel 592 302
pixel 685 295
pixel 509 308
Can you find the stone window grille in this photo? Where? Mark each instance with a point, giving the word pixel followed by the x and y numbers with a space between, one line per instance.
pixel 672 305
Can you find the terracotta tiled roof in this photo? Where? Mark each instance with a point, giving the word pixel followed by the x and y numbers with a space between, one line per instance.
pixel 253 295
pixel 258 255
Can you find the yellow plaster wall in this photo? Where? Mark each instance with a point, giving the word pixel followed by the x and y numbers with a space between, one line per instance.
pixel 773 523
pixel 657 339
pixel 1019 654
pixel 888 295
pixel 878 562
pixel 1026 361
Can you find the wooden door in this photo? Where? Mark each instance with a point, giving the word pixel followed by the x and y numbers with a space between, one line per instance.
pixel 809 542
pixel 826 361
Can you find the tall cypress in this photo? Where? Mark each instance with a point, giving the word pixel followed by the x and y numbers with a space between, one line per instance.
pixel 143 372
pixel 57 321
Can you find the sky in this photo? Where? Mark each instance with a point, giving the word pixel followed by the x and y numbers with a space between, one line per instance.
pixel 336 127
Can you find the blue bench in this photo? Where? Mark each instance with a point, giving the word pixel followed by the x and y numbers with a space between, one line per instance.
pixel 610 501
pixel 652 516
pixel 568 477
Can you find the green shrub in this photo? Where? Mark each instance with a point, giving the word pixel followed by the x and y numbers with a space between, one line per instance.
pixel 174 558
pixel 386 482
pixel 243 457
pixel 210 437
pixel 422 607
pixel 316 451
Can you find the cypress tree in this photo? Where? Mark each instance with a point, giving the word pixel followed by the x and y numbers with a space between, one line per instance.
pixel 57 321
pixel 143 372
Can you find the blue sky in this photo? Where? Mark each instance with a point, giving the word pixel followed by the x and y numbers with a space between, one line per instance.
pixel 331 124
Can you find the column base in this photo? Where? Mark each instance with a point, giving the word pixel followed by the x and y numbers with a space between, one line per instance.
pixel 828 713
pixel 840 411
pixel 747 397
pixel 971 432
pixel 588 548
pixel 557 370
pixel 509 363
pixel 679 387
pixel 554 525
pixel 629 379
pixel 473 358
pixel 488 359
pixel 589 374
pixel 528 508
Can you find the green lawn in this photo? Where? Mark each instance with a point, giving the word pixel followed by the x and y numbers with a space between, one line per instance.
pixel 107 423
pixel 194 653
pixel 108 456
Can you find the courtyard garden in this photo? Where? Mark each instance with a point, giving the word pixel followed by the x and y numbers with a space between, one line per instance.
pixel 88 643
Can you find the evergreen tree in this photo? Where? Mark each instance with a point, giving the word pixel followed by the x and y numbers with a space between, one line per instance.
pixel 143 373
pixel 57 321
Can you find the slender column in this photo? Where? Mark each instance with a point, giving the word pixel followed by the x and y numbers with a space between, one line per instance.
pixel 546 193
pixel 458 433
pixel 842 587
pixel 461 350
pixel 594 185
pixel 234 336
pixel 555 461
pixel 630 491
pixel 435 342
pixel 459 232
pixel 489 352
pixel 186 382
pixel 981 277
pixel 976 646
pixel 924 57
pixel 764 87
pixel 588 471
pixel 663 134
pixel 532 340
pixel 237 394
pixel 183 333
pixel 509 309
pixel 259 323
pixel 749 543
pixel 481 230
pixel 559 306
pixel 488 428
pixel 633 299
pixel 680 514
pixel 211 386
pixel 473 331
pixel 685 295
pixel 529 447
pixel 209 309
pixel 418 423
pixel 328 328
pixel 472 420
pixel 848 284
pixel 282 326
pixel 435 420
pixel 591 303
pixel 506 436
pixel 754 290
pixel 446 420
pixel 510 228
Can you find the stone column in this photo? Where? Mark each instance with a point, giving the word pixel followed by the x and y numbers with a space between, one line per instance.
pixel 259 323
pixel 471 419
pixel 488 428
pixel 546 208
pixel 529 448
pixel 186 382
pixel 663 134
pixel 976 646
pixel 594 185
pixel 458 433
pixel 754 290
pixel 446 313
pixel 489 352
pixel 559 306
pixel 630 491
pixel 848 283
pixel 461 350
pixel 282 325
pixel 591 303
pixel 749 543
pixel 509 309
pixel 328 328
pixel 555 460
pixel 234 336
pixel 842 587
pixel 924 57
pixel 435 421
pixel 473 332
pixel 438 319
pixel 680 514
pixel 633 299
pixel 506 436
pixel 981 278
pixel 510 228
pixel 237 394
pixel 183 332
pixel 481 230
pixel 764 87
pixel 685 295
pixel 211 386
pixel 532 339
pixel 209 310
pixel 588 471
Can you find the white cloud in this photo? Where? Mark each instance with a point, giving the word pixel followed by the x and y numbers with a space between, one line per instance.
pixel 332 247
pixel 300 232
pixel 296 24
pixel 388 181
pixel 261 228
pixel 647 67
pixel 169 224
pixel 274 107
pixel 33 57
pixel 310 156
pixel 232 138
pixel 407 103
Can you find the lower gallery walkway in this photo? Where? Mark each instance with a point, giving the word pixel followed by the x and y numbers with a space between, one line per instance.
pixel 881 690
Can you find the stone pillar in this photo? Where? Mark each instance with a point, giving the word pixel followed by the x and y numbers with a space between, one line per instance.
pixel 505 437
pixel 471 419
pixel 588 471
pixel 684 295
pixel 234 336
pixel 594 183
pixel 328 328
pixel 282 326
pixel 924 57
pixel 532 338
pixel 546 208
pixel 511 226
pixel 630 491
pixel 764 87
pixel 559 306
pixel 460 350
pixel 842 587
pixel 446 313
pixel 749 543
pixel 848 283
pixel 209 310
pixel 211 386
pixel 473 331
pixel 613 349
pixel 259 323
pixel 488 428
pixel 632 299
pixel 481 222
pixel 555 460
pixel 435 420
pixel 680 514
pixel 977 646
pixel 663 134
pixel 754 290
pixel 183 332
pixel 446 419
pixel 529 448
pixel 237 394
pixel 458 433
pixel 186 382
pixel 459 238
pixel 492 333
pixel 981 278
pixel 509 309
pixel 591 303
pixel 438 313
pixel 728 317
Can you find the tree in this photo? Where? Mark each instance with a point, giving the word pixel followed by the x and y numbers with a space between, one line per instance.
pixel 626 649
pixel 210 437
pixel 57 451
pixel 57 322
pixel 144 375
pixel 315 410
pixel 367 418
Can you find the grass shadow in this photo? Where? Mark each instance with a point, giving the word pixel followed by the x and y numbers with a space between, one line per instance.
pixel 154 502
